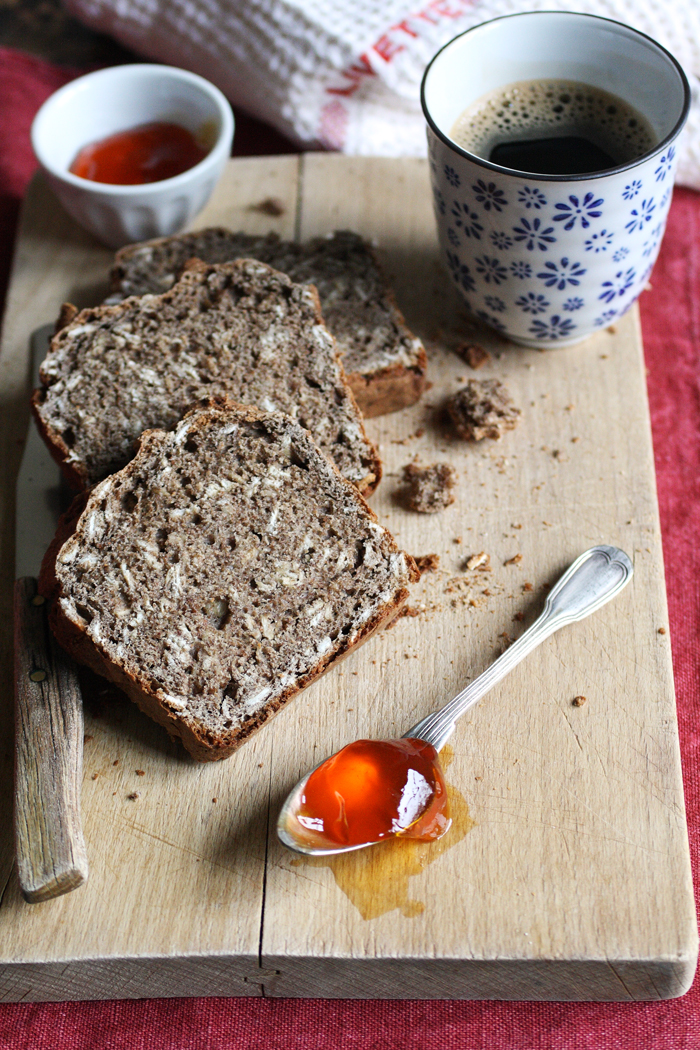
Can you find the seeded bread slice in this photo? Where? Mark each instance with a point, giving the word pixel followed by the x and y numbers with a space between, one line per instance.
pixel 385 363
pixel 220 572
pixel 239 329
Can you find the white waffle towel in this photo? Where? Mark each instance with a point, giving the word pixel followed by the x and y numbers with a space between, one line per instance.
pixel 346 76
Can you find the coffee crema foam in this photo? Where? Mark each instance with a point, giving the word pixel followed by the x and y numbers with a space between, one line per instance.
pixel 542 109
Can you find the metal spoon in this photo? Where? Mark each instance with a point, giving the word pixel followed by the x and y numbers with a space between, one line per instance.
pixel 598 575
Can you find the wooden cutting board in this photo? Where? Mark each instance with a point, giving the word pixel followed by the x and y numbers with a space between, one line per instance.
pixel 566 874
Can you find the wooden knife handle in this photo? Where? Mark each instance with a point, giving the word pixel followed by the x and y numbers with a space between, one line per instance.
pixel 51 857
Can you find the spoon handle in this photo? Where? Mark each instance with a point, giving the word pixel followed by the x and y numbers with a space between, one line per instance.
pixel 592 580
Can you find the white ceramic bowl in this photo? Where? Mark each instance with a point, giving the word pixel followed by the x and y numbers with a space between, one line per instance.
pixel 111 100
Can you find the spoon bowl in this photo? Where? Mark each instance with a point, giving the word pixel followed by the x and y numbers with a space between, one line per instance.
pixel 592 580
pixel 295 836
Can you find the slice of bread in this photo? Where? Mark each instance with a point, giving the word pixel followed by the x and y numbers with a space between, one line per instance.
pixel 220 572
pixel 239 329
pixel 385 363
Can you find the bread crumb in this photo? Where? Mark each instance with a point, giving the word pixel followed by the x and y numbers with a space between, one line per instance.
pixel 270 206
pixel 516 526
pixel 515 560
pixel 426 562
pixel 662 630
pixel 429 489
pixel 116 762
pixel 474 354
pixel 578 701
pixel 482 409
pixel 574 440
pixel 519 616
pixel 612 328
pixel 457 539
pixel 133 796
pixel 94 776
pixel 140 773
pixel 88 736
pixel 215 800
pixel 527 586
pixel 479 561
pixel 407 610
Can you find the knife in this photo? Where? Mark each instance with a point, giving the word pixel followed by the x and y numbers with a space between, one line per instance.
pixel 51 857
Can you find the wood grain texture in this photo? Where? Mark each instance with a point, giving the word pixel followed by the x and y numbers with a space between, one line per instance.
pixel 51 857
pixel 567 875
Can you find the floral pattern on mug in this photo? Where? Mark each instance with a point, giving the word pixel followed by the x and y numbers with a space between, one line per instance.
pixel 575 303
pixel 489 196
pixel 501 240
pixel 532 303
pixel 491 269
pixel 562 273
pixel 546 263
pixel 665 164
pixel 531 197
pixel 574 210
pixel 599 242
pixel 463 216
pixel 533 236
pixel 639 216
pixel 521 269
pixel 495 322
pixel 618 285
pixel 554 328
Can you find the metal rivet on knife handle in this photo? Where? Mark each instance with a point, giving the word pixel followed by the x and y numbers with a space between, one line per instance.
pixel 51 857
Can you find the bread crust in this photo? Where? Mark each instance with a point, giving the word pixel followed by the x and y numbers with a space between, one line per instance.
pixel 143 690
pixel 389 390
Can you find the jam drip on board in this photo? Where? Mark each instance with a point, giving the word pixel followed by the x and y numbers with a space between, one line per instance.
pixel 376 789
pixel 147 153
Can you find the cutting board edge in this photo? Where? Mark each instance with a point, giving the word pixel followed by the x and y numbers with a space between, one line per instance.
pixel 566 980
pixel 143 977
pixel 548 980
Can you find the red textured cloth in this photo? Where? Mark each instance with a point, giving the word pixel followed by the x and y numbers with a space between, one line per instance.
pixel 671 324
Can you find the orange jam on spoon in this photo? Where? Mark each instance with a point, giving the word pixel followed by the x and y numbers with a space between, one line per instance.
pixel 374 789
pixel 147 153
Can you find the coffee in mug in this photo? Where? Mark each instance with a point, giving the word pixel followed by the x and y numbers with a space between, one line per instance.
pixel 553 127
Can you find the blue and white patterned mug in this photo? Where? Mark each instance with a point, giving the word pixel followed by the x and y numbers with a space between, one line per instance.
pixel 548 259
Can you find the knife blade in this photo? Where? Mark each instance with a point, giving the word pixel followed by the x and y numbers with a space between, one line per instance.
pixel 51 856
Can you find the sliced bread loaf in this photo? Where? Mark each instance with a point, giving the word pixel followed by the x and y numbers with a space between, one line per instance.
pixel 239 329
pixel 224 569
pixel 385 363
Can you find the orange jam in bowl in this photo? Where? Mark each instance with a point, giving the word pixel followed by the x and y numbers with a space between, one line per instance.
pixel 147 153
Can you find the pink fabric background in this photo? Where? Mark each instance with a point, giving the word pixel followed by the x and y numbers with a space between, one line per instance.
pixel 671 324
